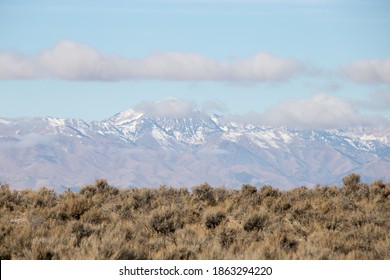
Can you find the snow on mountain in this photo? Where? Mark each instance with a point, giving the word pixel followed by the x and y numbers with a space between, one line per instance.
pixel 137 149
pixel 192 129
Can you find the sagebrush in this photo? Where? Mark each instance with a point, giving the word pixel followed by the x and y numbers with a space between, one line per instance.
pixel 104 222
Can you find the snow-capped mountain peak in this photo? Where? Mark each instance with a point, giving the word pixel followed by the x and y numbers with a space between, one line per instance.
pixel 192 128
pixel 186 147
pixel 124 117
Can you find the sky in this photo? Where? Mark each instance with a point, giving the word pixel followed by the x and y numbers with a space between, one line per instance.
pixel 302 63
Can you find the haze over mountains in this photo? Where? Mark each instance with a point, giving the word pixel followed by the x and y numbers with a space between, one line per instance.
pixel 135 148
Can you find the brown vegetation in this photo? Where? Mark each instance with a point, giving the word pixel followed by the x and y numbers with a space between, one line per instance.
pixel 103 222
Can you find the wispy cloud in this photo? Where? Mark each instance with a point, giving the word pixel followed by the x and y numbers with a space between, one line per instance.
pixel 17 66
pixel 320 111
pixel 376 101
pixel 73 61
pixel 369 71
pixel 167 108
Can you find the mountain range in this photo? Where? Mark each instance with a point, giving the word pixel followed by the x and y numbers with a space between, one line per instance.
pixel 137 149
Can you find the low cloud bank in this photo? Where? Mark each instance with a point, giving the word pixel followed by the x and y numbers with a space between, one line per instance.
pixel 73 61
pixel 320 111
pixel 369 71
pixel 167 108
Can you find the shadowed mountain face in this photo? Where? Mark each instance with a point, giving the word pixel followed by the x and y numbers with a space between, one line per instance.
pixel 136 149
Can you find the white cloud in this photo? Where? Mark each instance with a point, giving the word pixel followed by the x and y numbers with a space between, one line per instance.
pixel 73 61
pixel 265 66
pixel 68 60
pixel 320 111
pixel 177 66
pixel 369 71
pixel 170 107
pixel 15 66
pixel 376 101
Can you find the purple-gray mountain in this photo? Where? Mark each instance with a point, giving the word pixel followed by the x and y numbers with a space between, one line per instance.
pixel 134 149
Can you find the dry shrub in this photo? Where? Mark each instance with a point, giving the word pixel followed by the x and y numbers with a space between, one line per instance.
pixel 269 191
pixel 130 254
pixel 5 196
pixel 81 231
pixel 96 216
pixel 181 254
pixel 248 190
pixel 72 206
pixel 169 195
pixel 212 220
pixel 143 199
pixel 89 191
pixel 204 193
pixel 45 198
pixel 351 184
pixel 228 236
pixel 102 222
pixel 221 194
pixel 281 206
pixel 255 222
pixel 101 186
pixel 165 222
pixel 352 180
pixel 288 243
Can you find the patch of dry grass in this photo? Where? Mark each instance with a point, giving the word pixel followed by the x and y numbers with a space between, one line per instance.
pixel 103 222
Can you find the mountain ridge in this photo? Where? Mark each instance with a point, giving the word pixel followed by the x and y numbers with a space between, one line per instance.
pixel 137 149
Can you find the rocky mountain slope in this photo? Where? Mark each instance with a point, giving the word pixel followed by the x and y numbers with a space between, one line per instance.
pixel 136 149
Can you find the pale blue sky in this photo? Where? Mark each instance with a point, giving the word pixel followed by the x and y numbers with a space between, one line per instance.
pixel 223 51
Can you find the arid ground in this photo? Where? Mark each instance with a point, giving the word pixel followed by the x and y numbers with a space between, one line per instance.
pixel 104 222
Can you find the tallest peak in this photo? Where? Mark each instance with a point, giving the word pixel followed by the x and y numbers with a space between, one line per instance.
pixel 169 108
